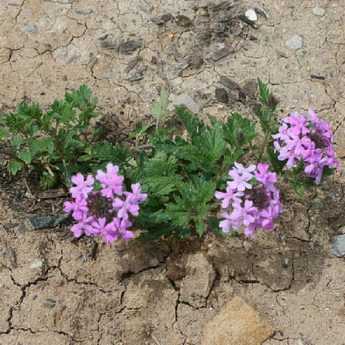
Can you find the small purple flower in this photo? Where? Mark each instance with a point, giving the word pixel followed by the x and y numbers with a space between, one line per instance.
pixel 264 176
pixel 82 187
pixel 83 227
pixel 229 196
pixel 125 207
pixel 122 226
pixel 257 206
pixel 111 182
pixel 136 196
pixel 130 205
pixel 78 208
pixel 308 140
pixel 241 177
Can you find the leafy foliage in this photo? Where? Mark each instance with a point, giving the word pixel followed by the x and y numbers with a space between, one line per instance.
pixel 187 161
pixel 179 160
pixel 58 142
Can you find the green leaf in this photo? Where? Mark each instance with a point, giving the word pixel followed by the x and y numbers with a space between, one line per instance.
pixel 42 145
pixel 191 208
pixel 25 156
pixel 161 185
pixel 264 92
pixel 14 166
pixel 299 187
pixel 200 225
pixel 17 141
pixel 3 133
pixel 159 108
pixel 193 125
pixel 161 164
pixel 48 181
pixel 178 213
pixel 277 164
pixel 107 152
pixel 205 150
pixel 239 131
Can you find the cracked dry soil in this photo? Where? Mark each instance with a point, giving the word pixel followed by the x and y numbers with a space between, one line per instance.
pixel 60 291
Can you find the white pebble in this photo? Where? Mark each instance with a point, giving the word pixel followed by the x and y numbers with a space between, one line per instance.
pixel 36 264
pixel 295 42
pixel 319 11
pixel 251 15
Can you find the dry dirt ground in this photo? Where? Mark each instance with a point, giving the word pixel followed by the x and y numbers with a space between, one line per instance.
pixel 57 291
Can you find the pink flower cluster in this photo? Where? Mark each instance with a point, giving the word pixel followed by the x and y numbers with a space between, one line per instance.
pixel 104 211
pixel 306 139
pixel 251 200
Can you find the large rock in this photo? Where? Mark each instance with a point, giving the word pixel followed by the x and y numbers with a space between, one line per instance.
pixel 236 324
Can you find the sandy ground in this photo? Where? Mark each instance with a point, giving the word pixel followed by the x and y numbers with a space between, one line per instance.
pixel 58 291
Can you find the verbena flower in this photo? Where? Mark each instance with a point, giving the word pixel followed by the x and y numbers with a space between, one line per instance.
pixel 104 211
pixel 111 182
pixel 307 141
pixel 251 200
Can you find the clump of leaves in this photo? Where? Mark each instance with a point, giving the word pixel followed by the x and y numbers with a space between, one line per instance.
pixel 58 142
pixel 186 161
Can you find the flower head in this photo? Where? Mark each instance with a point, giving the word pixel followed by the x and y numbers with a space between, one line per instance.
pixel 108 212
pixel 306 139
pixel 250 206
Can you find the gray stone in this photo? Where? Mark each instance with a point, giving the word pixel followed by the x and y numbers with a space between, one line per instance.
pixel 295 42
pixel 218 52
pixel 221 95
pixel 83 12
pixel 338 246
pixel 30 28
pixel 188 102
pixel 161 20
pixel 50 303
pixel 319 11
pixel 130 46
pixel 137 73
pixel 195 61
pixel 229 84
pixel 183 21
pixel 39 222
pixel 107 42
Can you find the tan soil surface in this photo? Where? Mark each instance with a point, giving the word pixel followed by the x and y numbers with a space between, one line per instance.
pixel 58 291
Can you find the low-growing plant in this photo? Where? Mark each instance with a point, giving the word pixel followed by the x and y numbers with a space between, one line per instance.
pixel 59 142
pixel 196 176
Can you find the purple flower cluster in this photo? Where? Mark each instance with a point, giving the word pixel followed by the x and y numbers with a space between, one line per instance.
pixel 306 139
pixel 251 200
pixel 104 212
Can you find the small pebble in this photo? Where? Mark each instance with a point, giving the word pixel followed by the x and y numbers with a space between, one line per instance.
pixel 251 15
pixel 36 264
pixel 30 28
pixel 338 246
pixel 221 95
pixel 295 42
pixel 319 11
pixel 188 102
pixel 286 263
